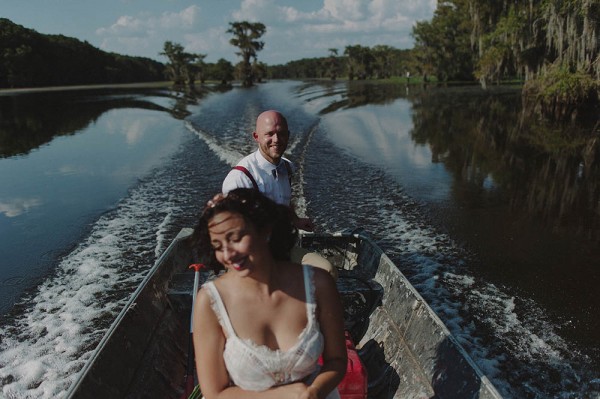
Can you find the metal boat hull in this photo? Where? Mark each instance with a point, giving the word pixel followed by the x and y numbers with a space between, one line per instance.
pixel 407 350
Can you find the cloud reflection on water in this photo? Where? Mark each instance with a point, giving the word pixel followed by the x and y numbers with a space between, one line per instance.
pixel 389 145
pixel 17 206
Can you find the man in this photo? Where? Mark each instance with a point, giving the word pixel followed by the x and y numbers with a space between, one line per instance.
pixel 269 172
pixel 266 166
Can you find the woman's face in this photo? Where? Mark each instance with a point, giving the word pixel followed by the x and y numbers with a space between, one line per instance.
pixel 237 244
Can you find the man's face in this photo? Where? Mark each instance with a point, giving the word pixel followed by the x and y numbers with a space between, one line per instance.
pixel 272 136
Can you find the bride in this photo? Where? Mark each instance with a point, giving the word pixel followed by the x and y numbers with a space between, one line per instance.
pixel 261 327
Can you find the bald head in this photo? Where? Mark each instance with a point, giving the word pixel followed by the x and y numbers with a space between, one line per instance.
pixel 272 135
pixel 270 118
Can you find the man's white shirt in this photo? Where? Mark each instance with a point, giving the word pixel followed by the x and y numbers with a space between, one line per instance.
pixel 273 181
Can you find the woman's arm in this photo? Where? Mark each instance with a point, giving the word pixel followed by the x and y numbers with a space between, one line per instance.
pixel 331 319
pixel 209 343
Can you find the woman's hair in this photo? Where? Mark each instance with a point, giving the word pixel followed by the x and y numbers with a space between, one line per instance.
pixel 257 210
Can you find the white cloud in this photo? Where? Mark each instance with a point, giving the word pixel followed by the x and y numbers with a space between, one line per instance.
pixel 185 19
pixel 293 33
pixel 208 42
pixel 264 11
pixel 125 25
pixel 133 130
pixel 147 32
pixel 295 30
pixel 343 10
pixel 65 170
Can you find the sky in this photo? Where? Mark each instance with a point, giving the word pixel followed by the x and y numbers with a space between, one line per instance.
pixel 294 29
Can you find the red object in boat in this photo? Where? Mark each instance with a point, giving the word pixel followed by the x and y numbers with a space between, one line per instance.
pixel 354 384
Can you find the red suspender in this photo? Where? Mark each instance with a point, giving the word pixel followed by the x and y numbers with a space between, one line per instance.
pixel 247 173
pixel 242 169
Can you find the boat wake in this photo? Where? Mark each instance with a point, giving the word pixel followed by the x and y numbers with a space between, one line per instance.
pixel 50 334
pixel 47 338
pixel 223 149
pixel 508 337
pixel 68 313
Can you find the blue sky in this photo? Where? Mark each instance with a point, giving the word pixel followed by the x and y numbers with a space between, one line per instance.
pixel 295 29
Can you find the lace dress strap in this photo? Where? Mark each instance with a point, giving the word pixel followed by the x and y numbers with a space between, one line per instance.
pixel 219 308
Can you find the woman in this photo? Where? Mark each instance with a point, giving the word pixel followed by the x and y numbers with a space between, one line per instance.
pixel 260 327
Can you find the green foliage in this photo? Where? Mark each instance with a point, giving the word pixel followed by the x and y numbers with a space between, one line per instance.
pixel 182 67
pixel 221 71
pixel 358 62
pixel 551 44
pixel 246 37
pixel 561 83
pixel 306 68
pixel 31 59
pixel 501 54
pixel 332 64
pixel 492 63
pixel 442 45
pixel 571 33
pixel 562 94
pixel 259 71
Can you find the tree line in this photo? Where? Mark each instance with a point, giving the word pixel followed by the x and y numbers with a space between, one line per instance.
pixel 186 68
pixel 31 59
pixel 550 45
pixel 357 62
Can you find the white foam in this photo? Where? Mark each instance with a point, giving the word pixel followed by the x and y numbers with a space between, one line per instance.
pixel 224 151
pixel 510 341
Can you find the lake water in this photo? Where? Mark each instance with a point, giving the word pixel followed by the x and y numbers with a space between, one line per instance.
pixel 493 216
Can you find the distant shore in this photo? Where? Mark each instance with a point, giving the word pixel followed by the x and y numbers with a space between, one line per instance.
pixel 86 87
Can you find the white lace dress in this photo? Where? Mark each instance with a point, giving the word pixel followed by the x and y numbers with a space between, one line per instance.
pixel 257 367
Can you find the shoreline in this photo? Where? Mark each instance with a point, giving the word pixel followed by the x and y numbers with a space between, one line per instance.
pixel 20 90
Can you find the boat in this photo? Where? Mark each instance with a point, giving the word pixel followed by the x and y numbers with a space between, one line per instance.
pixel 405 348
